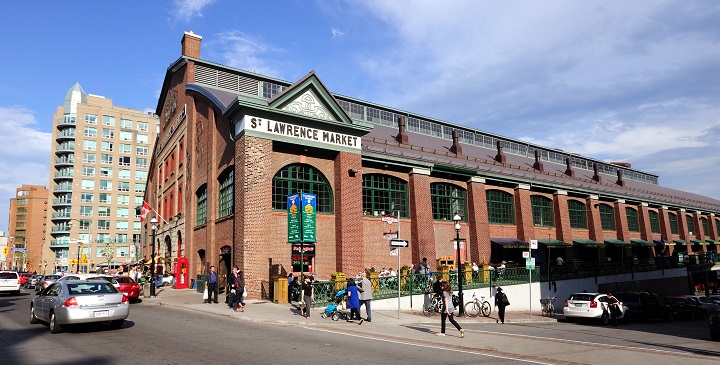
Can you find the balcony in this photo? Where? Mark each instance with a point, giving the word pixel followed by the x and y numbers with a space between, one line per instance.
pixel 65 122
pixel 64 148
pixel 64 135
pixel 63 175
pixel 61 202
pixel 62 188
pixel 59 244
pixel 60 216
pixel 64 161
pixel 60 229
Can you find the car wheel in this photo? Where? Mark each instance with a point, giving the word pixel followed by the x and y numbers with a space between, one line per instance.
pixel 117 324
pixel 605 318
pixel 17 292
pixel 33 318
pixel 627 317
pixel 54 326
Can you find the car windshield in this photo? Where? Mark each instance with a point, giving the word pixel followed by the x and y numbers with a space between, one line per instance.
pixel 582 296
pixel 91 288
pixel 8 275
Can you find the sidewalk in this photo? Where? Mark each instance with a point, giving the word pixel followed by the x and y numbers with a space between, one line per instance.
pixel 257 310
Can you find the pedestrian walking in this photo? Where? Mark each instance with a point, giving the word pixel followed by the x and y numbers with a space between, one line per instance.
pixel 448 310
pixel 353 300
pixel 366 295
pixel 237 287
pixel 307 297
pixel 613 308
pixel 212 286
pixel 501 301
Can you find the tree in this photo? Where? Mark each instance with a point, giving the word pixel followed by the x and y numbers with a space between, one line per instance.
pixel 108 252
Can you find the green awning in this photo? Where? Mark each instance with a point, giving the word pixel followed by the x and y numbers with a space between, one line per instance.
pixel 639 242
pixel 698 242
pixel 614 242
pixel 553 243
pixel 712 242
pixel 680 242
pixel 588 243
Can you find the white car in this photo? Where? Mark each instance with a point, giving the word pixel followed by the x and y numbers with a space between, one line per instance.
pixel 9 282
pixel 590 306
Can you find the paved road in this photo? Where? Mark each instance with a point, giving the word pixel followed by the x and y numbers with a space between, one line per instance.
pixel 162 333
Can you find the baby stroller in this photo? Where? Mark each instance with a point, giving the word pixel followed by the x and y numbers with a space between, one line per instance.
pixel 333 309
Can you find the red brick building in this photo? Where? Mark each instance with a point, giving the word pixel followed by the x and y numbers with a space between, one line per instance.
pixel 234 144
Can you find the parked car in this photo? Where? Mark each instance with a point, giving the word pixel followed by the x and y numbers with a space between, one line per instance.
pixel 706 303
pixel 30 283
pixel 24 276
pixel 715 326
pixel 644 306
pixel 129 287
pixel 79 301
pixel 684 307
pixel 47 280
pixel 590 306
pixel 715 298
pixel 9 282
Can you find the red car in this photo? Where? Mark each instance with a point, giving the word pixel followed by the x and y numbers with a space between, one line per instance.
pixel 684 307
pixel 24 276
pixel 129 287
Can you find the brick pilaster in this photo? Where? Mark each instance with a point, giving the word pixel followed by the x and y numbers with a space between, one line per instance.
pixel 478 221
pixel 644 220
pixel 621 224
pixel 422 232
pixel 563 231
pixel 348 213
pixel 523 213
pixel 712 228
pixel 595 231
pixel 665 232
pixel 683 229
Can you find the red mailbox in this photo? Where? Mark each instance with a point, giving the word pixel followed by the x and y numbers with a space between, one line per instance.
pixel 182 277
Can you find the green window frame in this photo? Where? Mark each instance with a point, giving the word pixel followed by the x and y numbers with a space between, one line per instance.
pixel 304 178
pixel 607 217
pixel 500 207
pixel 448 200
pixel 717 226
pixel 632 219
pixel 672 219
pixel 383 193
pixel 542 211
pixel 704 224
pixel 578 216
pixel 654 221
pixel 226 193
pixel 690 225
pixel 201 206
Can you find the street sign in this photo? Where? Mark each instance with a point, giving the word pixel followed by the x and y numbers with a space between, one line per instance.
pixel 533 244
pixel 526 254
pixel 18 249
pixel 389 219
pixel 398 243
pixel 390 235
pixel 530 263
pixel 394 251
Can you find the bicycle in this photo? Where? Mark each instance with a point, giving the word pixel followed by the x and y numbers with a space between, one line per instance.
pixel 476 306
pixel 548 306
pixel 433 304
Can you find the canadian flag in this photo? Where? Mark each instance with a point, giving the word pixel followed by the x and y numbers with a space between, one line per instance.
pixel 144 211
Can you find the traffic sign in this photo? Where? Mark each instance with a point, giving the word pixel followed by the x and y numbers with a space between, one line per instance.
pixel 533 244
pixel 530 263
pixel 398 243
pixel 394 251
pixel 390 235
pixel 18 249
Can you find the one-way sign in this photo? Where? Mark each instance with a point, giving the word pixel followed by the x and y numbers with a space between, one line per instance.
pixel 398 243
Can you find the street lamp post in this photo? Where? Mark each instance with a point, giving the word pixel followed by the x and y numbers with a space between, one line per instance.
pixel 461 310
pixel 153 223
pixel 77 264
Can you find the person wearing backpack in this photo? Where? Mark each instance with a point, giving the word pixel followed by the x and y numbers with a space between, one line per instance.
pixel 501 301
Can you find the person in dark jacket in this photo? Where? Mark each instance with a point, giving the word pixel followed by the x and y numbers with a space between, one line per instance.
pixel 236 283
pixel 501 301
pixel 212 286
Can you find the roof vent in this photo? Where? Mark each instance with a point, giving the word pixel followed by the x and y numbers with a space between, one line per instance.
pixel 456 148
pixel 500 157
pixel 569 171
pixel 538 165
pixel 402 137
pixel 620 180
pixel 596 177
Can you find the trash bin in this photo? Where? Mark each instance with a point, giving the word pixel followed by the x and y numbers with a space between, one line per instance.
pixel 146 290
pixel 280 294
pixel 201 283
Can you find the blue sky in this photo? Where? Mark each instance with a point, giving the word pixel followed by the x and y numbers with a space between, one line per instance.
pixel 626 81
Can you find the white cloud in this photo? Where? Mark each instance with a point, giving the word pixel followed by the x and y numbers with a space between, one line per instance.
pixel 240 50
pixel 336 33
pixel 24 154
pixel 185 10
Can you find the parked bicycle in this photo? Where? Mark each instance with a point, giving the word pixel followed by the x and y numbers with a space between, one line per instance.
pixel 433 304
pixel 548 306
pixel 476 306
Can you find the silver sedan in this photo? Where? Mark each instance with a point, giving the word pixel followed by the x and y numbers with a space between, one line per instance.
pixel 79 301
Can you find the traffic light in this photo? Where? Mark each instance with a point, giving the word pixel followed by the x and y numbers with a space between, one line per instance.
pixel 6 250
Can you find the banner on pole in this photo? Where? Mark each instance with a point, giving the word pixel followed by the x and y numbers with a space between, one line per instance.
pixel 293 211
pixel 309 205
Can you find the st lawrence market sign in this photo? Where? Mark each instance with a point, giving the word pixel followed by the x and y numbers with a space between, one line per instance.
pixel 298 132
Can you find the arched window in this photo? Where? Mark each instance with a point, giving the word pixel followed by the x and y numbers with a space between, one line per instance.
pixel 447 200
pixel 301 178
pixel 226 193
pixel 672 219
pixel 690 225
pixel 578 218
pixel 201 205
pixel 383 193
pixel 632 219
pixel 607 217
pixel 500 207
pixel 704 224
pixel 542 211
pixel 654 221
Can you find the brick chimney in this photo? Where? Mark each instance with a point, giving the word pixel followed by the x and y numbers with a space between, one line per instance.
pixel 191 44
pixel 402 137
pixel 500 157
pixel 596 176
pixel 620 180
pixel 569 171
pixel 456 148
pixel 538 165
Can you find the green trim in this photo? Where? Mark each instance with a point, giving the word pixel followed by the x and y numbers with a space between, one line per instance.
pixel 616 242
pixel 682 242
pixel 639 242
pixel 455 170
pixel 698 242
pixel 397 161
pixel 553 243
pixel 712 242
pixel 588 242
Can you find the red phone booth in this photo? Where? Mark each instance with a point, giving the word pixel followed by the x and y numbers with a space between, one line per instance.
pixel 182 277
